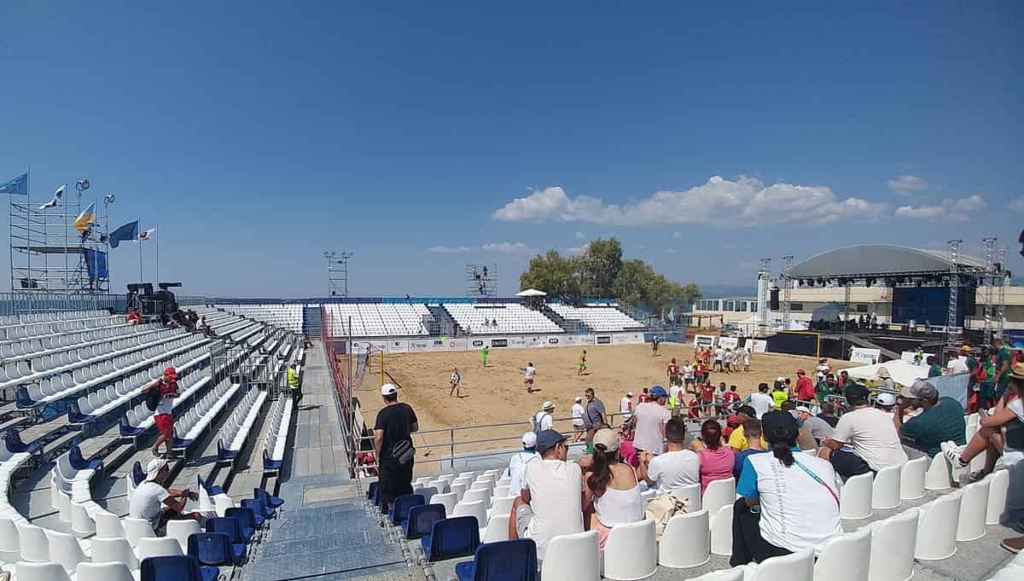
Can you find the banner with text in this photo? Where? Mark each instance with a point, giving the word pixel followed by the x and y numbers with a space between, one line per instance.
pixel 864 355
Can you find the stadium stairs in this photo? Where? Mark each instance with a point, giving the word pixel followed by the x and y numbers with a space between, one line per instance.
pixel 568 326
pixel 444 320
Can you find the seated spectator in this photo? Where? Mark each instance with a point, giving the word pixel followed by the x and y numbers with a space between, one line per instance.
pixel 886 402
pixel 864 440
pixel 152 502
pixel 828 413
pixel 675 468
pixel 941 420
pixel 551 502
pixel 818 428
pixel 204 327
pixel 751 428
pixel 610 488
pixel 627 450
pixel 737 439
pixel 798 500
pixel 716 457
pixel 804 439
pixel 134 318
pixel 517 464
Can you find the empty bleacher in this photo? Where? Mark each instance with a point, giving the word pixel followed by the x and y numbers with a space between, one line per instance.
pixel 289 317
pixel 598 318
pixel 378 319
pixel 500 318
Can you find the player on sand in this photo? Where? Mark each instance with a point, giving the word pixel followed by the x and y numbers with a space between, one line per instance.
pixel 583 363
pixel 528 374
pixel 456 384
pixel 483 355
pixel 673 373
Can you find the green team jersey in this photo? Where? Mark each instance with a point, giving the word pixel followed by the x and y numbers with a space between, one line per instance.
pixel 1004 356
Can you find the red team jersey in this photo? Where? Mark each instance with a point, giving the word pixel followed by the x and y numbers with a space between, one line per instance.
pixel 707 393
pixel 673 369
pixel 730 397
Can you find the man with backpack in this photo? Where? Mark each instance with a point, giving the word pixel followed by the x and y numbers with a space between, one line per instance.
pixel 160 397
pixel 543 420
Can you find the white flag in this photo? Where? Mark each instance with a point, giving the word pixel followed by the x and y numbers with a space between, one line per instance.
pixel 147 234
pixel 56 198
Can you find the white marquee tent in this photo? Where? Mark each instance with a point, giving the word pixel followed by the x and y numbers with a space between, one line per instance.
pixel 902 372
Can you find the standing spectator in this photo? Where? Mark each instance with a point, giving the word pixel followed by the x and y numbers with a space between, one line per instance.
pixel 456 383
pixel 579 431
pixel 719 355
pixel 828 413
pixel 1004 359
pixel 934 369
pixel 151 502
pixel 529 372
pixel 804 387
pixel 720 399
pixel 716 457
pixel 544 420
pixel 134 318
pixel 864 440
pixel 689 375
pixel 677 467
pixel 755 444
pixel 824 389
pixel 164 412
pixel 761 401
pixel 798 500
pixel 295 381
pixel 593 417
pixel 781 395
pixel 626 406
pixel 610 488
pixel 651 418
pixel 822 369
pixel 986 379
pixel 817 427
pixel 746 358
pixel 941 421
pixel 843 380
pixel 551 501
pixel 392 444
pixel 517 464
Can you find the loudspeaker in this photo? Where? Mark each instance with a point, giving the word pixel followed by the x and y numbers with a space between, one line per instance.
pixel 970 301
pixel 774 299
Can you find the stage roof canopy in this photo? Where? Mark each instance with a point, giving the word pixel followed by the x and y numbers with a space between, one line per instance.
pixel 880 260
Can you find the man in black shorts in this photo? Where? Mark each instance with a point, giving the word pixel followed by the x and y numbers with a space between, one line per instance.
pixel 392 445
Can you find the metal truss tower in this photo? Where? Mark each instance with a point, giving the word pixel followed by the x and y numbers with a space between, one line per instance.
pixel 954 285
pixel 337 273
pixel 787 289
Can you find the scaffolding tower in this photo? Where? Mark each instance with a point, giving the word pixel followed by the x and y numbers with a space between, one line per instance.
pixel 49 255
pixel 952 334
pixel 989 281
pixel 787 289
pixel 482 280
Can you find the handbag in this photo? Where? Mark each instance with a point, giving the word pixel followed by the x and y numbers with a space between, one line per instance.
pixel 403 452
pixel 662 508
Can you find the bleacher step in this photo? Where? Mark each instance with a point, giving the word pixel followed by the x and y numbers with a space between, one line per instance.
pixel 13 423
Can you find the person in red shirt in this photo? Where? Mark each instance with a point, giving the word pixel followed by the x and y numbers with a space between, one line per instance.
pixel 673 373
pixel 707 397
pixel 701 373
pixel 694 412
pixel 134 317
pixel 731 399
pixel 645 396
pixel 804 387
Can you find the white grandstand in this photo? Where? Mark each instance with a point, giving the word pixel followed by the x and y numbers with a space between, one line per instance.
pixel 480 318
pixel 598 318
pixel 283 316
pixel 378 319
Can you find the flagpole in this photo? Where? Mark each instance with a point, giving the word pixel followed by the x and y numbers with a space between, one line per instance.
pixel 157 257
pixel 139 242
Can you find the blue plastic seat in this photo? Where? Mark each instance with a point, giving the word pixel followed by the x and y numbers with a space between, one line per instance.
pixel 127 430
pixel 501 561
pixel 13 440
pixel 213 490
pixel 80 463
pixel 137 474
pixel 269 464
pixel 178 568
pixel 452 538
pixel 258 511
pixel 421 520
pixel 371 491
pixel 274 502
pixel 211 550
pixel 246 518
pixel 23 400
pixel 403 504
pixel 233 529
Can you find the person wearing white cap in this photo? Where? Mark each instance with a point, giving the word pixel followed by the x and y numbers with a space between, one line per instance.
pixel 543 420
pixel 152 502
pixel 517 464
pixel 392 445
pixel 819 428
pixel 579 429
pixel 626 406
pixel 886 402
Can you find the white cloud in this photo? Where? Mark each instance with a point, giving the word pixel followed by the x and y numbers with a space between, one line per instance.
pixel 580 236
pixel 1018 205
pixel 448 249
pixel 907 184
pixel 742 202
pixel 508 248
pixel 676 235
pixel 576 250
pixel 949 209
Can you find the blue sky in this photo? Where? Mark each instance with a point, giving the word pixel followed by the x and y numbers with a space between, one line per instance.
pixel 255 135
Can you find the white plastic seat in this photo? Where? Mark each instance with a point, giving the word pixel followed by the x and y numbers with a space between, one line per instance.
pixel 159 547
pixel 912 479
pixel 631 551
pixel 108 526
pixel 576 557
pixel 449 500
pixel 796 567
pixel 734 574
pixel 501 505
pixel 938 476
pixel 114 551
pixel 137 529
pixel 892 547
pixel 104 572
pixel 474 495
pixel 973 511
pixel 10 547
pixel 66 550
pixel 936 528
pixel 721 532
pixel 998 488
pixel 496 529
pixel 855 497
pixel 459 489
pixel 477 509
pixel 691 494
pixel 885 488
pixel 845 557
pixel 25 571
pixel 686 541
pixel 35 547
pixel 718 494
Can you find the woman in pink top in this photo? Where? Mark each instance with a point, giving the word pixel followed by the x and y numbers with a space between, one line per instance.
pixel 716 458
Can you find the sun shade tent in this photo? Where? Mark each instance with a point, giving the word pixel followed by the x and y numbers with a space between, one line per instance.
pixel 531 292
pixel 902 372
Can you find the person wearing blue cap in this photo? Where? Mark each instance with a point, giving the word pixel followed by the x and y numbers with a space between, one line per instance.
pixel 651 418
pixel 551 500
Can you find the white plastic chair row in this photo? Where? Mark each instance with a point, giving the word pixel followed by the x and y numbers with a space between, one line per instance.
pixel 862 494
pixel 192 425
pixel 277 436
pixel 45 349
pixel 130 387
pixel 237 427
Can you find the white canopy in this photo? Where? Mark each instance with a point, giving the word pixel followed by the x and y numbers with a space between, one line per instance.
pixel 531 292
pixel 793 326
pixel 902 372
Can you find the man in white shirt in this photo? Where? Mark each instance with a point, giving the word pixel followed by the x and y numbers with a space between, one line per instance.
pixel 651 417
pixel 689 377
pixel 551 501
pixel 677 467
pixel 517 464
pixel 529 372
pixel 719 354
pixel 543 420
pixel 579 429
pixel 865 439
pixel 456 384
pixel 761 401
pixel 626 406
pixel 152 502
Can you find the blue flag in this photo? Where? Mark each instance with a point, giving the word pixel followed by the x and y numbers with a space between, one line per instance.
pixel 129 231
pixel 18 186
pixel 672 315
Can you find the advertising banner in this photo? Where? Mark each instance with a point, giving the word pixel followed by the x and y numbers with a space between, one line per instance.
pixel 728 342
pixel 457 344
pixel 863 355
pixel 703 341
pixel 760 346
pixel 421 345
pixel 604 340
pixel 517 342
pixel 398 346
pixel 499 342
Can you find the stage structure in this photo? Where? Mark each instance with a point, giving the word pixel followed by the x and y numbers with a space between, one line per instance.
pixel 49 255
pixel 482 280
pixel 927 286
